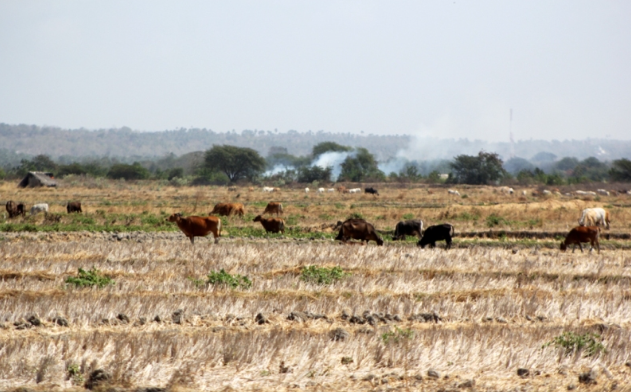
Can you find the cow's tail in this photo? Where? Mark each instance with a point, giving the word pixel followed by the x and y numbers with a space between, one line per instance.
pixel 452 232
pixel 218 227
pixel 280 207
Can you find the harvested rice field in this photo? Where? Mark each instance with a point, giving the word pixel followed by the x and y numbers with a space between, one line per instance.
pixel 144 310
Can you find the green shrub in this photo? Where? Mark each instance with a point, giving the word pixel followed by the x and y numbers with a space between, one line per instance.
pixel 89 279
pixel 355 215
pixel 571 342
pixel 222 278
pixel 397 335
pixel 322 275
pixel 408 216
pixel 495 220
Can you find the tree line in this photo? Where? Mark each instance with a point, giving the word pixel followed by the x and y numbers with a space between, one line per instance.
pixel 227 164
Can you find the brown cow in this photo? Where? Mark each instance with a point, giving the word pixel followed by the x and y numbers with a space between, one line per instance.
pixel 273 208
pixel 342 189
pixel 358 229
pixel 271 225
pixel 227 209
pixel 582 234
pixel 15 209
pixel 73 206
pixel 197 226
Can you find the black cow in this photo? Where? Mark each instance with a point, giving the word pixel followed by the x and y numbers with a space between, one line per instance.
pixel 408 227
pixel 371 190
pixel 15 209
pixel 437 233
pixel 73 206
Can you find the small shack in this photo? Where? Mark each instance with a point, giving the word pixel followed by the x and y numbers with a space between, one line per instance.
pixel 37 179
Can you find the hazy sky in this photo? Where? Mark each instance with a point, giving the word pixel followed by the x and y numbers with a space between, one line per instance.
pixel 426 68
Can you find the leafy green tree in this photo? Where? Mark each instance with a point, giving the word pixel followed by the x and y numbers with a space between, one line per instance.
pixel 591 169
pixel 360 166
pixel 73 168
pixel 620 170
pixel 481 169
pixel 128 172
pixel 235 162
pixel 566 164
pixel 324 147
pixel 516 164
pixel 39 163
pixel 2 174
pixel 314 173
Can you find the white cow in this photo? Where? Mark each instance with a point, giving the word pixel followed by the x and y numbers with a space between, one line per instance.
pixel 320 190
pixel 306 190
pixel 603 192
pixel 594 217
pixel 268 189
pixel 507 190
pixel 546 192
pixel 453 192
pixel 331 190
pixel 523 193
pixel 37 208
pixel 355 190
pixel 585 193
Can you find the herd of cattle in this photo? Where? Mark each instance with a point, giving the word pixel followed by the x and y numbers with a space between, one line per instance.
pixel 200 226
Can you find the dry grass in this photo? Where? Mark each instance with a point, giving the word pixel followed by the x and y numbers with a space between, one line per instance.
pixel 488 299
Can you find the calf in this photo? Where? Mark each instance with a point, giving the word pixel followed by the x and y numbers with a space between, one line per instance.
pixel 582 234
pixel 197 226
pixel 273 208
pixel 408 227
pixel 37 208
pixel 271 225
pixel 435 233
pixel 372 191
pixel 73 206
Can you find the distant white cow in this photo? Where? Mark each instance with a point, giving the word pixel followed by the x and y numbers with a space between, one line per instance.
pixel 546 192
pixel 585 193
pixel 306 190
pixel 507 190
pixel 355 190
pixel 37 208
pixel 523 193
pixel 603 192
pixel 453 192
pixel 268 189
pixel 320 190
pixel 594 217
pixel 331 190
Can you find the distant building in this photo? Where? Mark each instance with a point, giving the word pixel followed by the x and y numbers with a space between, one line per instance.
pixel 37 179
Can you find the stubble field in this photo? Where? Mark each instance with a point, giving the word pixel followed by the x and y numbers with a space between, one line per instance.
pixel 394 319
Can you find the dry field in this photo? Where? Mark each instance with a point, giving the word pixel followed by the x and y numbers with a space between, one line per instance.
pixel 473 315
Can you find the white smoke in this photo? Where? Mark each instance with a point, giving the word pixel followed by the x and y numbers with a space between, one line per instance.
pixel 334 160
pixel 278 169
pixel 396 164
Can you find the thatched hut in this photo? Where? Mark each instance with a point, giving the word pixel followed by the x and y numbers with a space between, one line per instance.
pixel 37 179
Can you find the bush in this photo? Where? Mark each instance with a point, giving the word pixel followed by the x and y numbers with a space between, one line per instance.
pixel 322 275
pixel 128 172
pixel 397 335
pixel 495 220
pixel 89 279
pixel 222 278
pixel 571 342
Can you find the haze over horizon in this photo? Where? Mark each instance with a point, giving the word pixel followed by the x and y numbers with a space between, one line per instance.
pixel 443 69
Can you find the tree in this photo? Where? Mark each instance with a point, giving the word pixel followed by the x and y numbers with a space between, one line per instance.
pixel 314 173
pixel 360 166
pixel 477 170
pixel 516 165
pixel 620 170
pixel 235 162
pixel 128 172
pixel 324 147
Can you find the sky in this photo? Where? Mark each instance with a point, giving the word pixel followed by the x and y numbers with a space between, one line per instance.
pixel 446 69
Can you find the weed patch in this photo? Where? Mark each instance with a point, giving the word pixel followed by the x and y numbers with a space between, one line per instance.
pixel 89 278
pixel 222 278
pixel 322 275
pixel 590 343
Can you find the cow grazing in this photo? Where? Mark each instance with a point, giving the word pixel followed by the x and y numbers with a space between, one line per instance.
pixel 342 189
pixel 546 192
pixel 271 225
pixel 582 234
pixel 507 190
pixel 435 233
pixel 320 190
pixel 355 190
pixel 603 192
pixel 273 208
pixel 37 208
pixel 306 190
pixel 523 193
pixel 227 209
pixel 14 209
pixel 73 206
pixel 331 190
pixel 453 192
pixel 372 191
pixel 358 229
pixel 408 227
pixel 594 217
pixel 268 189
pixel 197 226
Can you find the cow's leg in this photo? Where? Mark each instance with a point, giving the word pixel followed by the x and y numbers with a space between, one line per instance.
pixel 580 247
pixel 432 244
pixel 448 241
pixel 216 236
pixel 192 239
